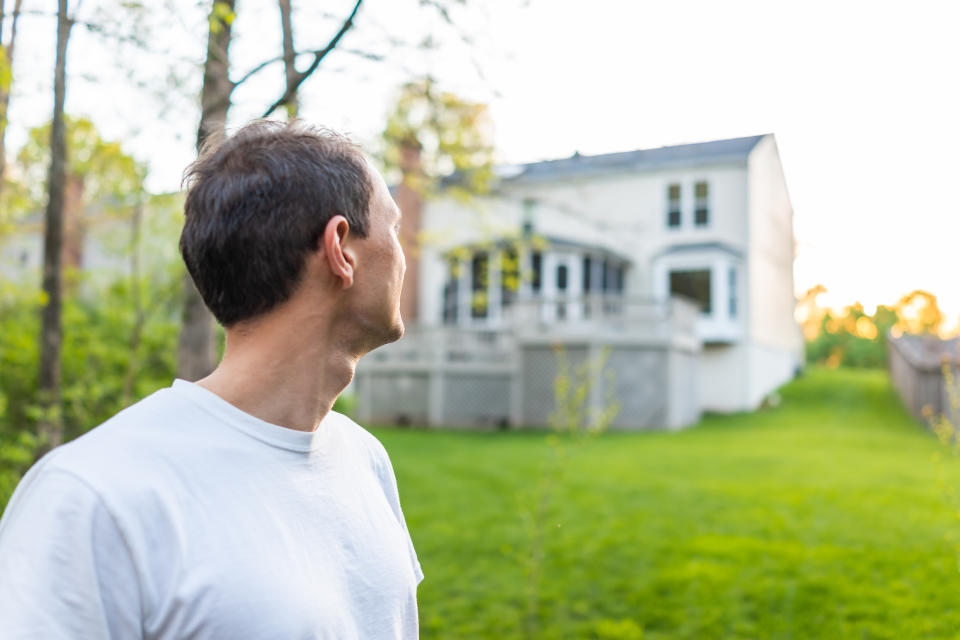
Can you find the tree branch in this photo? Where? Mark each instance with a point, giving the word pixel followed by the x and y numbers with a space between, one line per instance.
pixel 317 57
pixel 376 57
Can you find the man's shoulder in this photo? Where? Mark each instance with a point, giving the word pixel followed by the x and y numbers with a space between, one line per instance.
pixel 359 436
pixel 125 446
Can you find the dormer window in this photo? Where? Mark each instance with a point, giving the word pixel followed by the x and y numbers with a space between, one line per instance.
pixel 673 206
pixel 701 211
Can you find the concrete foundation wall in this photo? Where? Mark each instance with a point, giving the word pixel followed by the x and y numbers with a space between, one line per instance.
pixel 654 385
pixel 723 378
pixel 642 389
pixel 394 397
pixel 538 371
pixel 476 399
pixel 770 368
pixel 684 406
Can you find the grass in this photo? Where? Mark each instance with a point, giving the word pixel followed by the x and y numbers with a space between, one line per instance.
pixel 821 518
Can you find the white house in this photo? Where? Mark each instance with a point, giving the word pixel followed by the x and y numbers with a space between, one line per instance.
pixel 575 244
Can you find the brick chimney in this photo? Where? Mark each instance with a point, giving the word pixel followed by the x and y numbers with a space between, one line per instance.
pixel 409 197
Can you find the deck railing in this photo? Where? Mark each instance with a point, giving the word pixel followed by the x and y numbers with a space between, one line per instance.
pixel 493 341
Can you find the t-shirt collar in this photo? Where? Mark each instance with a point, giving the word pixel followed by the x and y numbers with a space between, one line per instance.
pixel 267 432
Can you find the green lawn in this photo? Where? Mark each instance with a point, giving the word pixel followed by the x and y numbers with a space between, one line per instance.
pixel 822 518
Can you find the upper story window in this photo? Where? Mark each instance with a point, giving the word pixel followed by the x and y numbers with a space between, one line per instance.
pixel 673 205
pixel 701 203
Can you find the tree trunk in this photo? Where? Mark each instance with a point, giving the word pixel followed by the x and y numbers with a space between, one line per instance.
pixel 196 348
pixel 50 427
pixel 289 56
pixel 136 293
pixel 6 86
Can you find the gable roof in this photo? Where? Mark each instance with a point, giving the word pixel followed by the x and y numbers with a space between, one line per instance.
pixel 642 159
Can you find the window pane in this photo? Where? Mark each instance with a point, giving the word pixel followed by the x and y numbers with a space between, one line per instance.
pixel 733 292
pixel 694 285
pixel 701 213
pixel 450 293
pixel 478 304
pixel 536 265
pixel 673 205
pixel 509 276
pixel 562 277
pixel 587 265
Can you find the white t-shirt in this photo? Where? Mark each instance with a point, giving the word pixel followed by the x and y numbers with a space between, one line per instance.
pixel 184 517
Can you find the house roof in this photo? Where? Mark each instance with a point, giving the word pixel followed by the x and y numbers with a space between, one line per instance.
pixel 699 246
pixel 641 159
pixel 546 242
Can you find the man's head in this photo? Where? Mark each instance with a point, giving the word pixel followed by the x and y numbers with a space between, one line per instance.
pixel 273 201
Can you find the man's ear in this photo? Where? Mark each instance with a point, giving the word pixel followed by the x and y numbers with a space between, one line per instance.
pixel 339 258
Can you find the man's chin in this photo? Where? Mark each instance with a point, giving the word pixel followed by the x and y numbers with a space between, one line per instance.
pixel 397 331
pixel 378 336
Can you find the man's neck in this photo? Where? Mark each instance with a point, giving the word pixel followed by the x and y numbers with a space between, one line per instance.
pixel 282 372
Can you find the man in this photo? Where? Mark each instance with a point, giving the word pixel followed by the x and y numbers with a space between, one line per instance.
pixel 240 506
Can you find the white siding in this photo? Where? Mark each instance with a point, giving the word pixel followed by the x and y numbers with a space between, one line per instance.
pixel 749 229
pixel 776 341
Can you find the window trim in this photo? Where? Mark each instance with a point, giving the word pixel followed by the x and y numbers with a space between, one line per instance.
pixel 678 211
pixel 704 201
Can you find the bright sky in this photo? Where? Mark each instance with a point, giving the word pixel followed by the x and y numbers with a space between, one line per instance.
pixel 862 96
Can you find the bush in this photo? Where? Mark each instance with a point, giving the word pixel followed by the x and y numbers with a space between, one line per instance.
pixel 112 355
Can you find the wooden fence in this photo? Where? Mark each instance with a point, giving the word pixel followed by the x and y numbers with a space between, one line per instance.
pixel 917 369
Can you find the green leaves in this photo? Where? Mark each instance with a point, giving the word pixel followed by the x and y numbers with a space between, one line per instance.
pixel 452 135
pixel 221 15
pixel 6 71
pixel 105 173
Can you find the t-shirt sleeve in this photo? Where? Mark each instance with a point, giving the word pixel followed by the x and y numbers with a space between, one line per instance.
pixel 389 483
pixel 65 570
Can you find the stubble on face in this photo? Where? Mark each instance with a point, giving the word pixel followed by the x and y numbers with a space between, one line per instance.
pixel 379 280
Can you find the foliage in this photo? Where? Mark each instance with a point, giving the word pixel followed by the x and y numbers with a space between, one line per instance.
pixel 575 419
pixel 105 367
pixel 221 15
pixel 946 426
pixel 6 71
pixel 346 403
pixel 454 136
pixel 853 338
pixel 819 518
pixel 919 313
pixel 110 178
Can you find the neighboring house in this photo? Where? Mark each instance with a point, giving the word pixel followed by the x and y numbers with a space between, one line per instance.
pixel 587 252
pixel 96 238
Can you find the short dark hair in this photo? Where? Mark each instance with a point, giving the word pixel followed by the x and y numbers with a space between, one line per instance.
pixel 257 205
